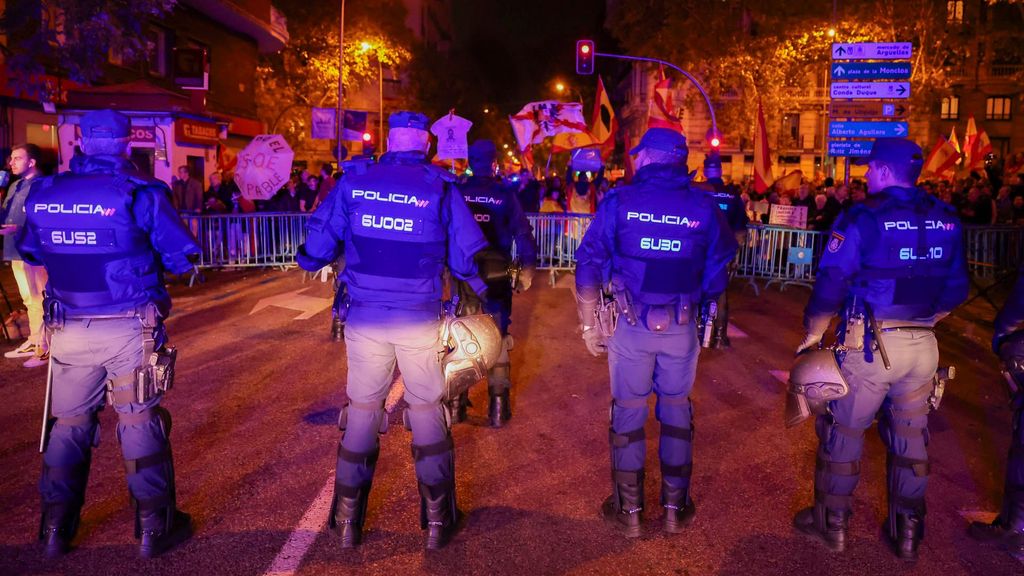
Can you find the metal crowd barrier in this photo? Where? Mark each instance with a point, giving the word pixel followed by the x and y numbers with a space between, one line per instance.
pixel 247 240
pixel 993 252
pixel 558 236
pixel 775 254
pixel 778 254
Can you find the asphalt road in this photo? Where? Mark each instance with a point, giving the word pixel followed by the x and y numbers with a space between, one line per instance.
pixel 256 401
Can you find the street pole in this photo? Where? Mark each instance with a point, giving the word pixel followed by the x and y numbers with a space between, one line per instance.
pixel 380 99
pixel 341 90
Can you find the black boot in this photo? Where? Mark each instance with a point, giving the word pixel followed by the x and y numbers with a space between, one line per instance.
pixel 825 524
pixel 500 409
pixel 624 508
pixel 161 529
pixel 348 511
pixel 989 532
pixel 439 515
pixel 679 509
pixel 457 407
pixel 906 534
pixel 57 528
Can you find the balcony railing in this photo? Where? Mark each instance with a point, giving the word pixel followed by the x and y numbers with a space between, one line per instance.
pixel 1006 70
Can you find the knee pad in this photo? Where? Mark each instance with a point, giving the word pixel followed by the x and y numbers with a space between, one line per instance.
pixel 680 405
pixel 373 409
pixel 90 422
pixel 417 414
pixel 157 413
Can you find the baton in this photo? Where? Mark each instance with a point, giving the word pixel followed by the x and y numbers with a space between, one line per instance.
pixel 45 434
pixel 877 335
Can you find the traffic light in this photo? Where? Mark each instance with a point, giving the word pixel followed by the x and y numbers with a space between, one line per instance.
pixel 585 57
pixel 368 145
pixel 713 159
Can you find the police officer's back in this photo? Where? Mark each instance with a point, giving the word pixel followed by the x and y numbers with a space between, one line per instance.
pixel 895 264
pixel 1007 529
pixel 399 222
pixel 502 220
pixel 106 234
pixel 665 247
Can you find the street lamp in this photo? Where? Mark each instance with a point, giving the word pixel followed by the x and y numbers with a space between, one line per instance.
pixel 559 87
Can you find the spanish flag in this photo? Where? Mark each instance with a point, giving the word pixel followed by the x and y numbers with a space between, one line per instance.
pixel 762 155
pixel 956 144
pixel 941 162
pixel 659 114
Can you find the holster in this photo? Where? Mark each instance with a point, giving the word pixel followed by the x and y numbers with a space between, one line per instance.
pixel 625 305
pixel 942 375
pixel 607 315
pixel 706 327
pixel 341 305
pixel 53 313
pixel 854 333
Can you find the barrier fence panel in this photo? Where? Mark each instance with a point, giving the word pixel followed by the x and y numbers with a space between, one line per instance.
pixel 558 236
pixel 779 254
pixel 250 240
pixel 993 252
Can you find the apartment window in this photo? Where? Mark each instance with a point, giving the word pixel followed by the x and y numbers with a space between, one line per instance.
pixel 950 108
pixel 998 108
pixel 156 50
pixel 955 12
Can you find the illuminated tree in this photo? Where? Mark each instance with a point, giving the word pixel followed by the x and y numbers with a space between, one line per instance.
pixel 304 74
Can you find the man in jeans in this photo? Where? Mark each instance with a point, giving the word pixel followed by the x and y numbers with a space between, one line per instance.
pixel 31 279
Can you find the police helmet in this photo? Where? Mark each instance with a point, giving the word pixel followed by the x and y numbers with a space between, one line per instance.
pixel 474 344
pixel 817 376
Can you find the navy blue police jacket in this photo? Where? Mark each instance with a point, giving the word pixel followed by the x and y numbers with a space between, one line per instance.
pixel 901 252
pixel 501 218
pixel 658 238
pixel 105 234
pixel 398 222
pixel 1011 318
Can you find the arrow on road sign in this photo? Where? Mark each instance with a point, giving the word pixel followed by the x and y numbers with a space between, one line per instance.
pixel 859 90
pixel 309 305
pixel 838 70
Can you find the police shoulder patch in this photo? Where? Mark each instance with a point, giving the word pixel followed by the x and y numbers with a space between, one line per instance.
pixel 835 241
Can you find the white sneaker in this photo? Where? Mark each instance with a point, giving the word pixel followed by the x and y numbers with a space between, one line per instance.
pixel 25 350
pixel 41 358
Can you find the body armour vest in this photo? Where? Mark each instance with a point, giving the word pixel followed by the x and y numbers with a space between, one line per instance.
pixel 489 203
pixel 661 242
pixel 397 225
pixel 917 235
pixel 97 258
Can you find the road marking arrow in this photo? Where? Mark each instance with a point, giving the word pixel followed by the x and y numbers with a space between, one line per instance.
pixel 309 305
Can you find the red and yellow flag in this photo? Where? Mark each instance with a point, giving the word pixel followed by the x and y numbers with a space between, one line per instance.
pixel 659 114
pixel 762 155
pixel 602 126
pixel 941 161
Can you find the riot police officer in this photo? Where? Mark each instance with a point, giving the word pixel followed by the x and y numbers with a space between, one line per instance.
pixel 665 246
pixel 502 220
pixel 736 215
pixel 398 222
pixel 897 263
pixel 1008 342
pixel 106 234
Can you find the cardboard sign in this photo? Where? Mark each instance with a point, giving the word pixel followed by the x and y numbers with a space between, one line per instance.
pixel 792 216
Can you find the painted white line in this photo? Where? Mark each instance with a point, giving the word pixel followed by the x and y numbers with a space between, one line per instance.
pixel 735 332
pixel 978 515
pixel 290 557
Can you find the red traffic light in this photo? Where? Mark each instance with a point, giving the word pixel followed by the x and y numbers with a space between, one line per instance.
pixel 714 138
pixel 367 136
pixel 715 142
pixel 585 57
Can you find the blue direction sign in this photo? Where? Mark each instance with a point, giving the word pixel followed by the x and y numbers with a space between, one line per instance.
pixel 856 90
pixel 867 129
pixel 850 147
pixel 873 51
pixel 871 70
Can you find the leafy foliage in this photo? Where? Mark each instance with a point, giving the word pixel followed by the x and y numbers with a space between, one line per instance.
pixel 72 37
pixel 305 73
pixel 776 52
